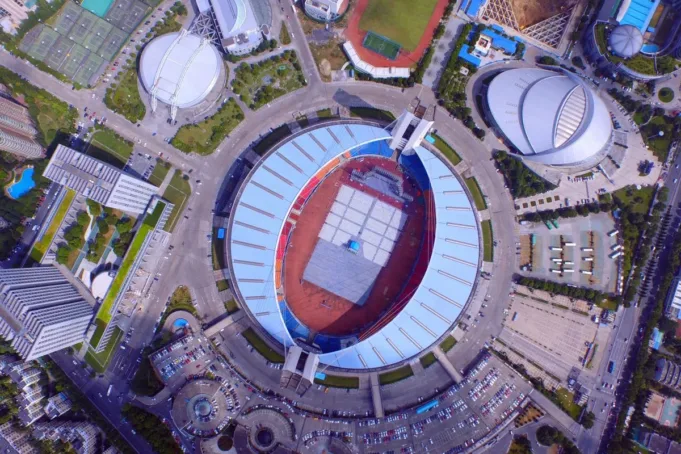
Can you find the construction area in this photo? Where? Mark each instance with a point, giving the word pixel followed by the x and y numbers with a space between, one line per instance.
pixel 575 251
pixel 545 22
pixel 572 347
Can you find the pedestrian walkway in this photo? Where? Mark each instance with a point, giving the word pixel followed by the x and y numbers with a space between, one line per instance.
pixel 443 49
pixel 165 182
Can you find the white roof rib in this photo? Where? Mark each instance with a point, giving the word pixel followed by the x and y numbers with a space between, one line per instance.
pixel 263 207
pixel 570 116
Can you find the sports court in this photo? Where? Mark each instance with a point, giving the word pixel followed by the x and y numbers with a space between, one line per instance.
pixel 406 23
pixel 79 42
pixel 343 209
pixel 381 45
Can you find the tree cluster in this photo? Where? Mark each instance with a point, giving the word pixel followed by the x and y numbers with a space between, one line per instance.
pixel 548 435
pixel 581 293
pixel 74 236
pixel 149 426
pixel 522 182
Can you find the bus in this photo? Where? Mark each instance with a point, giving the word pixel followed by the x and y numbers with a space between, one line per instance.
pixel 425 407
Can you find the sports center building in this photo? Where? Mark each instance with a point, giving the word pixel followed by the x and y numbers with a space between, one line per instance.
pixel 354 246
pixel 182 71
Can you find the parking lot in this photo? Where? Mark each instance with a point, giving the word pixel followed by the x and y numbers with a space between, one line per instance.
pixel 573 332
pixel 573 251
pixel 186 356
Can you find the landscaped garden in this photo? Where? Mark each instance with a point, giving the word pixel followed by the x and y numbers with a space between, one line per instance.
pixel 159 173
pixel 666 94
pixel 261 346
pixel 521 181
pixel 476 193
pixel 123 95
pixel 395 375
pixel 260 83
pixel 204 137
pixel 487 241
pixel 40 248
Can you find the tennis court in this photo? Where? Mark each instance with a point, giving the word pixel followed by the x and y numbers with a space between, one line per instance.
pixel 82 27
pixel 112 44
pixel 41 47
pixel 98 7
pixel 58 52
pixel 75 58
pixel 67 17
pixel 90 66
pixel 97 35
pixel 381 45
pixel 127 14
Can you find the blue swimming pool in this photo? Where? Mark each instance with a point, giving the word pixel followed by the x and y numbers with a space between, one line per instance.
pixel 180 323
pixel 21 187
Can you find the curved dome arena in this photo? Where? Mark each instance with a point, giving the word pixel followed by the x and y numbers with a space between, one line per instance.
pixel 326 209
pixel 553 118
pixel 625 41
pixel 180 69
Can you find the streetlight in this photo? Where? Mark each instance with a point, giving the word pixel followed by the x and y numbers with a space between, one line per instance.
pixel 659 134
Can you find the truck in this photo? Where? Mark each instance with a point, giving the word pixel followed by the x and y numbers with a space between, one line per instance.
pixel 555 248
pixel 586 272
pixel 108 391
pixel 613 233
pixel 614 255
pixel 570 244
pixel 587 249
pixel 588 259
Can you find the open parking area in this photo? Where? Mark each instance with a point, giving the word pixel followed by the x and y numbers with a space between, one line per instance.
pixel 573 333
pixel 184 357
pixel 573 251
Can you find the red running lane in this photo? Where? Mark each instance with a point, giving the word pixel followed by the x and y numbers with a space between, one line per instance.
pixel 405 59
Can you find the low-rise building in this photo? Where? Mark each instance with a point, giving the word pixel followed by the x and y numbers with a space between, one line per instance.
pixel 325 10
pixel 57 405
pixel 27 377
pixel 668 373
pixel 14 440
pixel 81 435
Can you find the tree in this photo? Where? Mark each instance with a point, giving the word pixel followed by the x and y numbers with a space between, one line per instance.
pixel 63 252
pixel 588 420
pixel 547 435
pixel 124 225
pixel 94 207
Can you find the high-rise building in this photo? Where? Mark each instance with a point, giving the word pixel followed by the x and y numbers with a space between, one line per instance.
pixel 42 310
pixel 12 12
pixel 15 440
pixel 99 181
pixel 17 132
pixel 325 10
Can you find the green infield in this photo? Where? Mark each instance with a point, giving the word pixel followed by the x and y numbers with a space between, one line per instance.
pixel 403 21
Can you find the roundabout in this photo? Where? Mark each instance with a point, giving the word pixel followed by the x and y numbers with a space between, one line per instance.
pixel 203 407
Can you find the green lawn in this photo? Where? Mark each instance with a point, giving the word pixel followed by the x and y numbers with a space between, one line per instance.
pixel 267 80
pixel 487 240
pixel 637 200
pixel 123 96
pixel 447 344
pixel 324 113
pixel 123 271
pixel 109 147
pixel 100 361
pixel 395 375
pixel 476 192
pixel 159 173
pixel 338 381
pixel 177 193
pixel 372 114
pixel 658 145
pixel 566 400
pixel 403 21
pixel 222 285
pixel 666 94
pixel 446 150
pixel 231 306
pixel 97 335
pixel 204 137
pixel 40 248
pixel 428 360
pixel 261 346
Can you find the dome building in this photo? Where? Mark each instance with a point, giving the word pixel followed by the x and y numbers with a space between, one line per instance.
pixel 181 70
pixel 551 118
pixel 625 41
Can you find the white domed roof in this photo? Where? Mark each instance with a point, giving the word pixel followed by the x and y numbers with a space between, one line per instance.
pixel 550 117
pixel 625 41
pixel 180 69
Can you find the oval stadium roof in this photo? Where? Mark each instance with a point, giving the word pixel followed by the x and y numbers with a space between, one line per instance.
pixel 553 118
pixel 626 41
pixel 260 214
pixel 180 69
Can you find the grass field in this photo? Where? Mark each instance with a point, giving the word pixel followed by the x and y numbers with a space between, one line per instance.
pixel 204 137
pixel 101 326
pixel 566 399
pixel 381 45
pixel 476 192
pixel 428 360
pixel 40 248
pixel 159 173
pixel 403 21
pixel 123 271
pixel 109 147
pixel 231 306
pixel 395 375
pixel 222 285
pixel 372 114
pixel 636 200
pixel 261 346
pixel 446 150
pixel 177 192
pixel 124 97
pixel 100 361
pixel 487 241
pixel 447 344
pixel 338 381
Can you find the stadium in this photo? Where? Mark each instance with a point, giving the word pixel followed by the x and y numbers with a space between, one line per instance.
pixel 182 71
pixel 355 244
pixel 551 118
